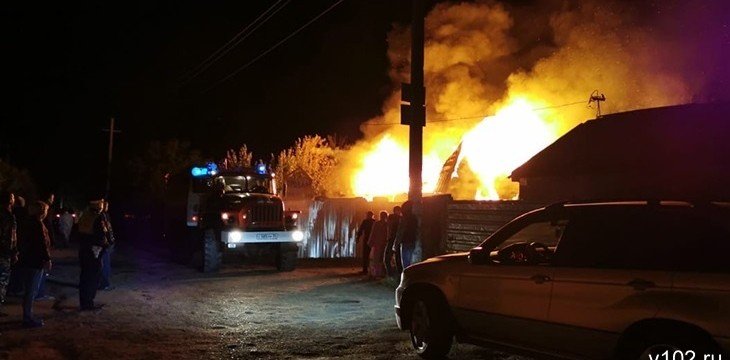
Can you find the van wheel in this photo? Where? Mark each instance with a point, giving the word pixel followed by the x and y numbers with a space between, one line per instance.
pixel 430 331
pixel 212 255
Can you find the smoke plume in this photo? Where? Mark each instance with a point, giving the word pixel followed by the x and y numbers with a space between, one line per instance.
pixel 482 55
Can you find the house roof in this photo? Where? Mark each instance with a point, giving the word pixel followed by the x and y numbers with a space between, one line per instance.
pixel 669 140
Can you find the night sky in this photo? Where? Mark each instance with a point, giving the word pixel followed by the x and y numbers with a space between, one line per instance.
pixel 69 67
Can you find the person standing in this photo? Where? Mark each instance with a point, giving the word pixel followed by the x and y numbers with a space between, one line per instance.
pixel 15 287
pixel 92 241
pixel 407 234
pixel 35 259
pixel 48 221
pixel 8 242
pixel 106 264
pixel 390 253
pixel 377 241
pixel 65 225
pixel 363 235
pixel 50 218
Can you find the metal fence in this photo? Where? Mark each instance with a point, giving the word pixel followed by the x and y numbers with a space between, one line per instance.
pixel 448 226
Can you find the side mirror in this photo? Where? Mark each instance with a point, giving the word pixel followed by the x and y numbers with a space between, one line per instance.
pixel 479 256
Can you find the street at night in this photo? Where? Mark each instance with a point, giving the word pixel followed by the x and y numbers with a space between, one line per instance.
pixel 326 309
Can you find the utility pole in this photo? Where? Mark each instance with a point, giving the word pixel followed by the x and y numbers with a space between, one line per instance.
pixel 109 161
pixel 413 114
pixel 413 109
pixel 597 98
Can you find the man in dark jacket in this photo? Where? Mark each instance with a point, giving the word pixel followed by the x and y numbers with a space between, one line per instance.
pixel 8 249
pixel 106 263
pixel 407 234
pixel 50 218
pixel 15 287
pixel 362 235
pixel 390 253
pixel 35 258
pixel 92 242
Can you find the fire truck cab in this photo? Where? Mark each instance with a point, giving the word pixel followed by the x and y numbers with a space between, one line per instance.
pixel 239 211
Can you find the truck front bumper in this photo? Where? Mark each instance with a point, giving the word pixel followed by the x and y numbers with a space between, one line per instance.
pixel 235 237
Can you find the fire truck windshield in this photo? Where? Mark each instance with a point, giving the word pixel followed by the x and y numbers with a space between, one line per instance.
pixel 262 184
pixel 251 184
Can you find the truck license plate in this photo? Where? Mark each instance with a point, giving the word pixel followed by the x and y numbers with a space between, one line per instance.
pixel 267 236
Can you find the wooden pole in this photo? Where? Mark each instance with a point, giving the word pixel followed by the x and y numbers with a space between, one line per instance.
pixel 109 157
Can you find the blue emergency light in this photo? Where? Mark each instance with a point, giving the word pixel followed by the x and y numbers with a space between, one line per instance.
pixel 210 169
pixel 261 169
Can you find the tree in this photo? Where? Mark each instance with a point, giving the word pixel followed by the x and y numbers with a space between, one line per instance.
pixel 316 157
pixel 160 161
pixel 237 159
pixel 17 180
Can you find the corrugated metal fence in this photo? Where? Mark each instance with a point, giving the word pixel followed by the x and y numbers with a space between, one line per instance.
pixel 470 222
pixel 330 226
pixel 448 225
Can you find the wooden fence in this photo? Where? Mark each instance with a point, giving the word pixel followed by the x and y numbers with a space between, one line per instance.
pixel 469 222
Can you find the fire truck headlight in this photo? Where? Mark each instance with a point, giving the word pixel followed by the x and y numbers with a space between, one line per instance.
pixel 235 237
pixel 297 235
pixel 224 216
pixel 294 216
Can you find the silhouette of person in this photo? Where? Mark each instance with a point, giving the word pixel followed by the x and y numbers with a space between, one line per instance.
pixel 407 234
pixel 377 242
pixel 393 255
pixel 363 235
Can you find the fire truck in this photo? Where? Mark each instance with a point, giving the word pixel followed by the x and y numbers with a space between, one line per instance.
pixel 238 212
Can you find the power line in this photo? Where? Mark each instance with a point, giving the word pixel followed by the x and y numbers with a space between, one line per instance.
pixel 246 65
pixel 234 41
pixel 482 116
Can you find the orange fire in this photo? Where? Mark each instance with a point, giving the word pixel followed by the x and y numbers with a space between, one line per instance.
pixel 384 170
pixel 493 148
pixel 501 143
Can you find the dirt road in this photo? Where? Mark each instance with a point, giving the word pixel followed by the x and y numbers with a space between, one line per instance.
pixel 161 310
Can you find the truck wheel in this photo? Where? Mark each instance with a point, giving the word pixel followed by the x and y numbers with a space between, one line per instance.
pixel 212 255
pixel 286 258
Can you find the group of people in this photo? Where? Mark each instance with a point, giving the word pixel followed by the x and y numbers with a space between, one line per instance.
pixel 26 237
pixel 388 242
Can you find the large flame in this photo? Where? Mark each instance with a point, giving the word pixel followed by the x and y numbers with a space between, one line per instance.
pixel 493 148
pixel 384 171
pixel 501 143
